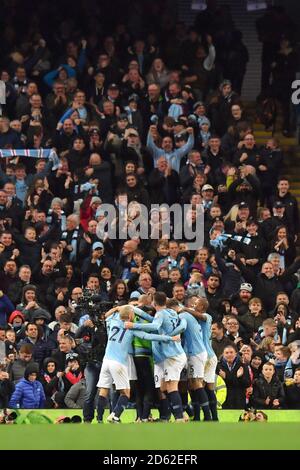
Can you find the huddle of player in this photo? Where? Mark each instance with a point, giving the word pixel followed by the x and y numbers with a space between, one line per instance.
pixel 184 360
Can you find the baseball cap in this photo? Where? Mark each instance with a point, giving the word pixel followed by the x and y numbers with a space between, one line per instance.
pixel 133 97
pixel 225 82
pixel 207 187
pixel 94 131
pixel 197 104
pixel 134 132
pixel 181 136
pixel 203 120
pixel 278 204
pixel 123 117
pixel 113 86
pixel 246 286
pixel 243 205
pixel 72 356
pixel 98 246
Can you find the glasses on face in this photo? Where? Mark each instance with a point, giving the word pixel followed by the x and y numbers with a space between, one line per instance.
pixel 232 324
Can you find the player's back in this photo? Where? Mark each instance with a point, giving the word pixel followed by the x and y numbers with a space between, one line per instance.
pixel 119 342
pixel 170 321
pixel 192 337
pixel 115 316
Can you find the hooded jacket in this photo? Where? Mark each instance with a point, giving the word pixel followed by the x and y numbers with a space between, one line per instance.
pixel 14 314
pixel 50 381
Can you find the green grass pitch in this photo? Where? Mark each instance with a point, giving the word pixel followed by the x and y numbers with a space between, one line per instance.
pixel 170 436
pixel 282 431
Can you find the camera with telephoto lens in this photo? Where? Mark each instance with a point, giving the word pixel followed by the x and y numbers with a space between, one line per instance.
pixel 92 304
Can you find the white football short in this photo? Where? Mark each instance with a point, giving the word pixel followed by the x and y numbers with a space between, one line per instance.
pixel 113 372
pixel 173 367
pixel 210 370
pixel 196 365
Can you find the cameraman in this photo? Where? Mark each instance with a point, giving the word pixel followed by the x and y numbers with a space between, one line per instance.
pixel 94 338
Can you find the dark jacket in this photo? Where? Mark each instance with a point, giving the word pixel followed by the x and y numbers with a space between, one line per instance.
pixel 292 395
pixel 219 345
pixel 262 389
pixel 236 387
pixel 16 370
pixel 6 389
pixel 251 323
pixel 291 210
pixel 267 289
pixel 163 189
pixel 41 349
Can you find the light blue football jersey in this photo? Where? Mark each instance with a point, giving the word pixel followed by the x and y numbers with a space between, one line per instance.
pixel 192 337
pixel 165 322
pixel 119 342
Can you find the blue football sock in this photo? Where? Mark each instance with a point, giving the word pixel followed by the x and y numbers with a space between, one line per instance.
pixel 101 407
pixel 212 404
pixel 204 403
pixel 176 404
pixel 121 405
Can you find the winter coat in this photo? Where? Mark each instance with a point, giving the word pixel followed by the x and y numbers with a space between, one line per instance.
pixel 236 386
pixel 262 389
pixel 41 349
pixel 291 210
pixel 28 395
pixel 219 345
pixel 251 322
pixel 292 394
pixel 6 389
pixel 267 289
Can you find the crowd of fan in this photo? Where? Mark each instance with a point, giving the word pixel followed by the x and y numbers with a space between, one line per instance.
pixel 140 120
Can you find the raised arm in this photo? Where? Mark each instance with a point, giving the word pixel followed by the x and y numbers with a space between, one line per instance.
pixel 145 316
pixel 149 327
pixel 198 315
pixel 186 148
